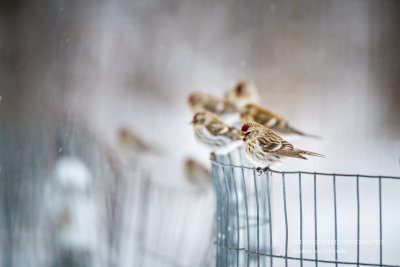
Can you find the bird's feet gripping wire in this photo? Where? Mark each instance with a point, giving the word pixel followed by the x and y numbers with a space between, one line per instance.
pixel 260 170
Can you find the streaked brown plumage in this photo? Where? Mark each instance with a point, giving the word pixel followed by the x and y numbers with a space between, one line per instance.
pixel 256 113
pixel 242 93
pixel 197 173
pixel 199 101
pixel 214 133
pixel 263 147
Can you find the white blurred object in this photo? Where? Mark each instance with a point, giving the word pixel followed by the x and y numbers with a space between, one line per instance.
pixel 72 208
pixel 72 174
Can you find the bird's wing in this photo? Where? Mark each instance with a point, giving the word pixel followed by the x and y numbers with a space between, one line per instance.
pixel 274 144
pixel 219 128
pixel 234 133
pixel 268 119
pixel 217 105
pixel 213 104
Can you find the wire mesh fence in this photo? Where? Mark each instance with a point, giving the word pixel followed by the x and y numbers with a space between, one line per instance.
pixel 176 227
pixel 304 218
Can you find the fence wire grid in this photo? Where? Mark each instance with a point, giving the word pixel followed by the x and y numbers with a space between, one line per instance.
pixel 303 218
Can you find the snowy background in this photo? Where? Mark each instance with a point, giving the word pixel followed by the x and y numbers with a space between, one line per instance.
pixel 330 67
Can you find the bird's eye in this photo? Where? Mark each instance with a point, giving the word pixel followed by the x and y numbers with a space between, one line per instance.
pixel 246 133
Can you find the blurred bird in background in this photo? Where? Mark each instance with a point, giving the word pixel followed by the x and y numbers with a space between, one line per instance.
pixel 242 93
pixel 129 143
pixel 197 174
pixel 199 101
pixel 264 148
pixel 214 133
pixel 256 113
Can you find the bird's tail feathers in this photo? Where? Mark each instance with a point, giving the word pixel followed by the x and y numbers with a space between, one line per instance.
pixel 305 152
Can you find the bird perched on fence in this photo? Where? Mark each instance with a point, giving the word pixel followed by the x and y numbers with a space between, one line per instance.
pixel 242 93
pixel 214 133
pixel 197 174
pixel 263 147
pixel 199 101
pixel 253 112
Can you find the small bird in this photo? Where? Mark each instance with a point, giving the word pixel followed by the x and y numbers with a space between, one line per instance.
pixel 214 133
pixel 253 112
pixel 199 101
pixel 196 173
pixel 128 141
pixel 242 93
pixel 263 147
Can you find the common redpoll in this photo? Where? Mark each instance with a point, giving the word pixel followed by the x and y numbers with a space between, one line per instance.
pixel 242 93
pixel 214 133
pixel 263 147
pixel 253 112
pixel 197 173
pixel 199 101
pixel 128 141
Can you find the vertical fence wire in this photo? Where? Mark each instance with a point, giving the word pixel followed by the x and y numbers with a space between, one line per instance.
pixel 335 211
pixel 247 215
pixel 286 220
pixel 226 235
pixel 237 209
pixel 258 218
pixel 143 196
pixel 380 221
pixel 270 220
pixel 301 222
pixel 315 221
pixel 358 220
pixel 220 195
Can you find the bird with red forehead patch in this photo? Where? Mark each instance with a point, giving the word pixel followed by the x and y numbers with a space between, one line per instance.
pixel 215 134
pixel 242 93
pixel 199 101
pixel 264 148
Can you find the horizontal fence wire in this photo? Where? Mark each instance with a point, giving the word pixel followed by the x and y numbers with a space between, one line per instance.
pixel 254 194
pixel 306 172
pixel 307 259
